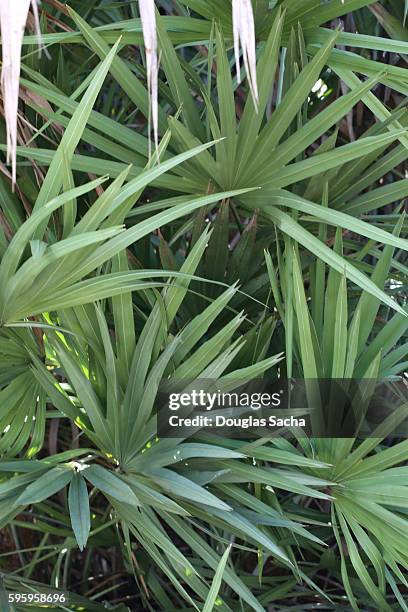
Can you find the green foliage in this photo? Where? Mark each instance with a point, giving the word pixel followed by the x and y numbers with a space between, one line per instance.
pixel 253 243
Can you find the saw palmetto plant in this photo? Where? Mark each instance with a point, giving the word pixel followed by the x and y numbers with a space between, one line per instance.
pixel 199 190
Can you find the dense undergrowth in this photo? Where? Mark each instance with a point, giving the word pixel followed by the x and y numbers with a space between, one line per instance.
pixel 254 242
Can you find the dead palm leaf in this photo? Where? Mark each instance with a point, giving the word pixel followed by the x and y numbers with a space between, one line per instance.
pixel 244 34
pixel 13 17
pixel 148 17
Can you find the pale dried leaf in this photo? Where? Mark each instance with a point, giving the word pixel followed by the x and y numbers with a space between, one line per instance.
pixel 235 24
pixel 148 18
pixel 244 34
pixel 13 17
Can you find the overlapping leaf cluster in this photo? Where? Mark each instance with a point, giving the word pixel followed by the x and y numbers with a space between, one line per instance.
pixel 266 241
